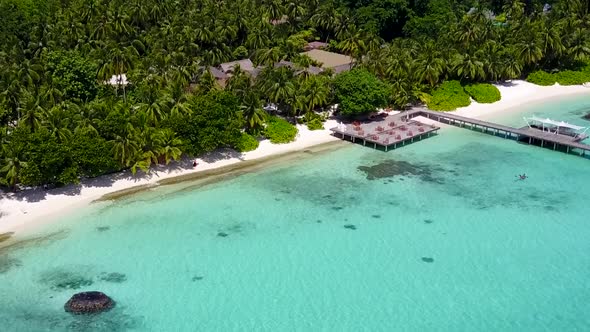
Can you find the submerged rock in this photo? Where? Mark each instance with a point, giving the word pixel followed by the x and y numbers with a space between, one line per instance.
pixel 222 234
pixel 103 228
pixel 89 303
pixel 586 117
pixel 427 259
pixel 428 221
pixel 350 226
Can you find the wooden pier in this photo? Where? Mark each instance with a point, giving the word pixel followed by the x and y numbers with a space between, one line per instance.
pixel 390 132
pixel 525 134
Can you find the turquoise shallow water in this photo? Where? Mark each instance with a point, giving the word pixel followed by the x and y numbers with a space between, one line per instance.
pixel 437 236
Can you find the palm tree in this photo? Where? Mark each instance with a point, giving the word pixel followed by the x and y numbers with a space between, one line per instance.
pixel 268 56
pixel 353 44
pixel 530 48
pixel 120 61
pixel 325 19
pixel 551 38
pixel 239 83
pixel 281 89
pixel 257 38
pixel 252 113
pixel 13 163
pixel 33 114
pixel 467 66
pixel 274 9
pixel 87 119
pixel 168 145
pixel 295 12
pixel 317 90
pixel 430 65
pixel 125 147
pixel 57 121
pixel 28 73
pixel 11 95
pixel 177 99
pixel 579 48
pixel 50 93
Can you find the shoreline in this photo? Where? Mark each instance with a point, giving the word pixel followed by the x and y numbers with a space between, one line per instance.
pixel 23 211
pixel 27 209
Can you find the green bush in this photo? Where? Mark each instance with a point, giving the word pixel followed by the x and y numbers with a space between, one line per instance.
pixel 280 131
pixel 315 124
pixel 449 96
pixel 358 91
pixel 570 77
pixel 540 77
pixel 566 77
pixel 246 143
pixel 313 120
pixel 483 93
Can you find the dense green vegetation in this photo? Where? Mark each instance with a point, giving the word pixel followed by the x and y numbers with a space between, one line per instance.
pixel 483 93
pixel 247 143
pixel 541 77
pixel 59 122
pixel 280 131
pixel 358 91
pixel 449 96
pixel 566 77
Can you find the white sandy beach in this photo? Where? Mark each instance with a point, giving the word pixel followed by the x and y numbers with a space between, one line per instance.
pixel 27 208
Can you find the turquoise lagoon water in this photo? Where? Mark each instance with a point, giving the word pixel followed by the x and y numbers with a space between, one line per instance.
pixel 437 236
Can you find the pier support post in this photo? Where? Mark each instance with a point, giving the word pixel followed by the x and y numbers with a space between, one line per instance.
pixel 542 143
pixel 530 140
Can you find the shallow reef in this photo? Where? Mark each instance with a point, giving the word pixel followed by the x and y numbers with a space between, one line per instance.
pixel 113 277
pixel 8 263
pixel 62 279
pixel 399 168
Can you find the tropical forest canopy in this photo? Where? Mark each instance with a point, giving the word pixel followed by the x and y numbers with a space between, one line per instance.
pixel 60 122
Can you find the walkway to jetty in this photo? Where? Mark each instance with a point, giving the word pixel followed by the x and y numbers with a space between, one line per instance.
pixel 525 134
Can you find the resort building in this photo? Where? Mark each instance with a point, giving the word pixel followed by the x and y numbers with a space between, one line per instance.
pixel 334 61
pixel 313 70
pixel 337 62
